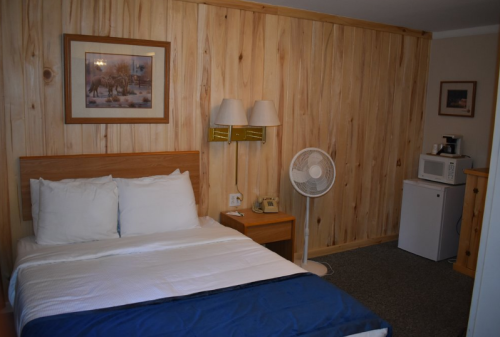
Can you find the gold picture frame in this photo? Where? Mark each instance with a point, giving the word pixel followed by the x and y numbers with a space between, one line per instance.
pixel 457 98
pixel 115 80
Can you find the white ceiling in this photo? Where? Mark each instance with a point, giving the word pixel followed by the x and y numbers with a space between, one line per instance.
pixel 427 15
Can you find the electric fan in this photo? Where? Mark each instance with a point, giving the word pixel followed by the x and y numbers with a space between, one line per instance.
pixel 312 173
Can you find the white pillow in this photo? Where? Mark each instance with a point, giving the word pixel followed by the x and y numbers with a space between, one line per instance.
pixel 35 194
pixel 177 171
pixel 77 212
pixel 153 205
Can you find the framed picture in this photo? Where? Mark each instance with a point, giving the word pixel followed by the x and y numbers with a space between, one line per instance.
pixel 114 80
pixel 457 98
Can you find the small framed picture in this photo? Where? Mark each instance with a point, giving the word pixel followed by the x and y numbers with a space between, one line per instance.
pixel 115 80
pixel 457 98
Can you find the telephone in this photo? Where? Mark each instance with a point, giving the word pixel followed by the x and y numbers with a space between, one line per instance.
pixel 266 205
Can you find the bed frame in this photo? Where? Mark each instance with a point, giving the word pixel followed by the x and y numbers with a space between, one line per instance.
pixel 120 165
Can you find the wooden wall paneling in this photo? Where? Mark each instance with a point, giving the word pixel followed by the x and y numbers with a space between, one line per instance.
pixel 93 135
pixel 177 77
pixel 113 130
pixel 5 232
pixel 216 36
pixel 365 136
pixel 480 184
pixel 339 132
pixel 249 86
pixel 177 71
pixel 315 16
pixel 52 77
pixel 314 85
pixel 355 143
pixel 324 219
pixel 394 118
pixel 346 137
pixel 191 79
pixel 124 28
pixel 423 64
pixel 187 138
pixel 285 106
pixel 416 116
pixel 269 179
pixel 71 24
pixel 373 134
pixel 402 111
pixel 170 137
pixel 142 30
pixel 13 105
pixel 384 89
pixel 355 92
pixel 104 16
pixel 109 131
pixel 295 137
pixel 389 161
pixel 417 108
pixel 407 163
pixel 232 26
pixel 161 19
pixel 314 126
pixel 33 87
pixel 203 110
pixel 302 118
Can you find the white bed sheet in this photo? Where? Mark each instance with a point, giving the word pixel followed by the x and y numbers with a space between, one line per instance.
pixel 50 280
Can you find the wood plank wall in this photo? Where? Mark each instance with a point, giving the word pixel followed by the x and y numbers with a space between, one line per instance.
pixel 358 93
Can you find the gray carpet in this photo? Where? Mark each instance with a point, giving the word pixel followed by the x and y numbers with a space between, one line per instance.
pixel 417 296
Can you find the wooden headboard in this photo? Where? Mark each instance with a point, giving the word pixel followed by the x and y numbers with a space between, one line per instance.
pixel 120 165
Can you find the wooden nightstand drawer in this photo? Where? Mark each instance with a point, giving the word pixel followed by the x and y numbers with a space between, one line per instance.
pixel 276 230
pixel 270 232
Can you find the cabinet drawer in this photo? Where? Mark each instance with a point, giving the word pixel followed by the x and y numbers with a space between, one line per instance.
pixel 271 232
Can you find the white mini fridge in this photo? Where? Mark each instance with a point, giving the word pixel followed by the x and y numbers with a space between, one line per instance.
pixel 430 215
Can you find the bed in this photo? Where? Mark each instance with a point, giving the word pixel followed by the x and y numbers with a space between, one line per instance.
pixel 154 268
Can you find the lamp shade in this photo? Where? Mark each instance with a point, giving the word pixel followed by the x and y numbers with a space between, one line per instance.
pixel 264 114
pixel 231 112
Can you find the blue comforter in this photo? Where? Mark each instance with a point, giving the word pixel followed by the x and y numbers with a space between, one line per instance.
pixel 298 305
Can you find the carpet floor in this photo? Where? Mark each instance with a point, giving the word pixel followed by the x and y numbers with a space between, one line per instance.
pixel 417 296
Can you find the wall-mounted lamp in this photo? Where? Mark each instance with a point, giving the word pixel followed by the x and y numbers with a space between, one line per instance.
pixel 231 113
pixel 263 114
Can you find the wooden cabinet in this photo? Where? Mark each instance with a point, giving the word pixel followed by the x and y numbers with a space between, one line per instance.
pixel 276 230
pixel 472 219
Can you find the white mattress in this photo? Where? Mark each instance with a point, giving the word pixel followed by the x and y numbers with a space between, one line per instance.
pixel 50 280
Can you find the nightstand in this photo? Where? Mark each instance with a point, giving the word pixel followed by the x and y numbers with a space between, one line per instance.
pixel 276 230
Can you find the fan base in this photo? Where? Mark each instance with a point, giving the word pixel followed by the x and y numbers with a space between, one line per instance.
pixel 312 267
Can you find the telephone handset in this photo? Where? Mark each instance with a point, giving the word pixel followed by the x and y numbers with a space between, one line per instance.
pixel 266 205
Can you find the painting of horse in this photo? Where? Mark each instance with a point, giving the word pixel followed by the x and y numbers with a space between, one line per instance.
pixel 118 81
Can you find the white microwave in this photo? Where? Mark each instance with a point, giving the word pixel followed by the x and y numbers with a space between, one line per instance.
pixel 442 169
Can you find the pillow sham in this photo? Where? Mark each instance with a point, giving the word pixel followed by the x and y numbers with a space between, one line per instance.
pixel 176 171
pixel 154 205
pixel 77 211
pixel 35 194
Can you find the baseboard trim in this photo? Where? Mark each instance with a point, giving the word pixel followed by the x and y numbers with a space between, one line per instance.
pixel 347 246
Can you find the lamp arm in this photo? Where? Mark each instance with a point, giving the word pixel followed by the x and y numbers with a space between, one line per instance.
pixel 229 134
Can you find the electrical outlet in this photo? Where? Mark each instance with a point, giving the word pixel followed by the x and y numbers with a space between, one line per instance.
pixel 234 199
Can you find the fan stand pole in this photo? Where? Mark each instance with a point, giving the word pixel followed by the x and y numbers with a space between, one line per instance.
pixel 306 235
pixel 311 266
